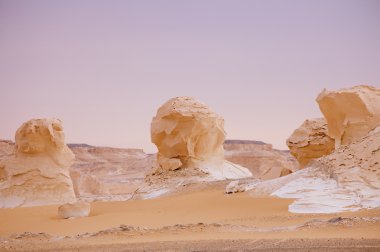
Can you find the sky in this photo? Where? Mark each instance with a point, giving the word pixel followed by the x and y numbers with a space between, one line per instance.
pixel 104 67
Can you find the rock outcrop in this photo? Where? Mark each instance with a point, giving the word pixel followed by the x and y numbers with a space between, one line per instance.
pixel 260 158
pixel 105 173
pixel 310 141
pixel 74 210
pixel 350 113
pixel 188 134
pixel 358 162
pixel 38 171
pixel 348 179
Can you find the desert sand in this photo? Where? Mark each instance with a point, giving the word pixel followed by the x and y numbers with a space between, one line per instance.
pixel 195 217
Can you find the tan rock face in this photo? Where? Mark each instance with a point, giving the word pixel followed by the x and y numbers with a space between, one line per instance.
pixel 310 141
pixel 357 162
pixel 188 133
pixel 260 158
pixel 38 172
pixel 350 113
pixel 74 210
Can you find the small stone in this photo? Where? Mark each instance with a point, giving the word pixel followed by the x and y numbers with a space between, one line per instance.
pixel 74 210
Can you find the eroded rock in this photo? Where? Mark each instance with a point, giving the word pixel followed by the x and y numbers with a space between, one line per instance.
pixel 310 141
pixel 38 171
pixel 350 113
pixel 188 133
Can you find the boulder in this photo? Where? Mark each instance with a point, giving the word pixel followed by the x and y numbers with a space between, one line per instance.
pixel 188 133
pixel 37 173
pixel 234 187
pixel 310 141
pixel 74 210
pixel 350 113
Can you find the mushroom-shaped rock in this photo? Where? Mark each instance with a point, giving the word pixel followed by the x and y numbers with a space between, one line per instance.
pixel 310 141
pixel 350 113
pixel 188 133
pixel 38 171
pixel 74 210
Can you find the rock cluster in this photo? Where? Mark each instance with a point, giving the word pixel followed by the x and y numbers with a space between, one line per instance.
pixel 37 173
pixel 347 179
pixel 349 115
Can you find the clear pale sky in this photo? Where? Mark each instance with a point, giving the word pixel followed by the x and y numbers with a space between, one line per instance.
pixel 104 67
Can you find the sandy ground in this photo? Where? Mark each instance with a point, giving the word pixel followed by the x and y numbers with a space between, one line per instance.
pixel 195 221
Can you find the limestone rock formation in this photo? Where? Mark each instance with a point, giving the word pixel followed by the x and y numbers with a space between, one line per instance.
pixel 310 141
pixel 38 171
pixel 346 180
pixel 74 210
pixel 350 113
pixel 358 162
pixel 260 158
pixel 188 134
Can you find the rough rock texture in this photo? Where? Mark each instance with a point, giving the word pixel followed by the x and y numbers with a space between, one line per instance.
pixel 346 180
pixel 38 171
pixel 188 134
pixel 74 210
pixel 310 141
pixel 260 158
pixel 105 173
pixel 6 149
pixel 350 113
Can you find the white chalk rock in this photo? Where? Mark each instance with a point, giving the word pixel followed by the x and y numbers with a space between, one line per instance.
pixel 234 187
pixel 38 171
pixel 74 210
pixel 188 134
